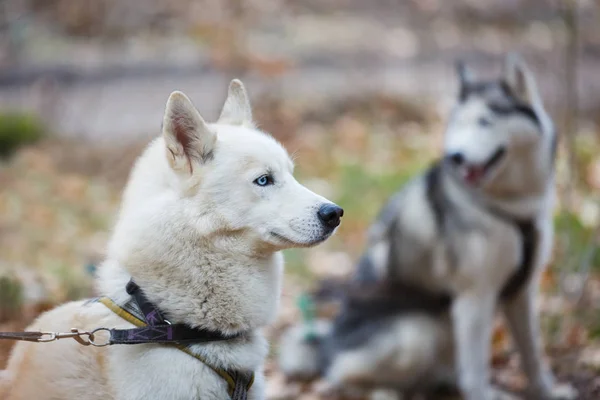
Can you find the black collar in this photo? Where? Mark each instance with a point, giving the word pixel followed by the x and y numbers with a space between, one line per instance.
pixel 159 329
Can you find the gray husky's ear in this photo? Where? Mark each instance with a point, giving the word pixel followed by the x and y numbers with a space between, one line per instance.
pixel 520 80
pixel 465 77
pixel 236 110
pixel 187 137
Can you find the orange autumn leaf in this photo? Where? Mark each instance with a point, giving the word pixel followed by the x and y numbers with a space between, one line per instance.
pixel 576 335
pixel 548 279
pixel 499 343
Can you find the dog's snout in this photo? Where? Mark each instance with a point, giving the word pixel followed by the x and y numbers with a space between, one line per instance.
pixel 456 158
pixel 330 215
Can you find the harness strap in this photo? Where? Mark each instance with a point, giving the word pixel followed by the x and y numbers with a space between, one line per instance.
pixel 236 381
pixel 530 237
pixel 152 315
pixel 242 384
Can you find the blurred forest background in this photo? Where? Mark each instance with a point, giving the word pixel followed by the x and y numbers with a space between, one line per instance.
pixel 359 90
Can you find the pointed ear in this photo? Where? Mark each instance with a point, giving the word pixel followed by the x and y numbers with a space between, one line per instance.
pixel 465 78
pixel 236 110
pixel 520 80
pixel 187 137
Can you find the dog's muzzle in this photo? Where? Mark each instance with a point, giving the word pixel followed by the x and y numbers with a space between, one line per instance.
pixel 474 173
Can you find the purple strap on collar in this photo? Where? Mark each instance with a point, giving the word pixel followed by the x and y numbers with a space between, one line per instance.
pixel 159 330
pixel 166 334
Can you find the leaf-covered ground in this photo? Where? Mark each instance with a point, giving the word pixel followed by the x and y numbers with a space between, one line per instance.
pixel 59 199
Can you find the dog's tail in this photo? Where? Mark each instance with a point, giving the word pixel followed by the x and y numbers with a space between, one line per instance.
pixel 302 353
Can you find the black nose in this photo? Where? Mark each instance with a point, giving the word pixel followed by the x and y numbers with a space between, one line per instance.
pixel 456 158
pixel 330 215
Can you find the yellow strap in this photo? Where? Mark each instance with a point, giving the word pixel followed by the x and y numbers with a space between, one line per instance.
pixel 127 316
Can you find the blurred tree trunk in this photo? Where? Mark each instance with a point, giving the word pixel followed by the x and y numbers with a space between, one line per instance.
pixel 571 20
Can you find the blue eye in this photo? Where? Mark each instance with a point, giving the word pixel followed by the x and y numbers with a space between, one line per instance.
pixel 264 180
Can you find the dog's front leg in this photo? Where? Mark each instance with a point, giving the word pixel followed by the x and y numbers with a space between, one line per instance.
pixel 524 327
pixel 523 322
pixel 472 317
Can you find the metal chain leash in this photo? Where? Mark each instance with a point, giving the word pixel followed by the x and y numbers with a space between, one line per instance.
pixel 84 338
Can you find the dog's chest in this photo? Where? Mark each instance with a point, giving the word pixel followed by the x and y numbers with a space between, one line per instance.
pixel 142 372
pixel 165 372
pixel 498 254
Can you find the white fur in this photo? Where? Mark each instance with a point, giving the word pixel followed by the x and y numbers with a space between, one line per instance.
pixel 203 241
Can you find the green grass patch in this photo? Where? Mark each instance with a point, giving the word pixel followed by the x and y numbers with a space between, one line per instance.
pixel 362 193
pixel 295 265
pixel 575 243
pixel 18 130
pixel 11 297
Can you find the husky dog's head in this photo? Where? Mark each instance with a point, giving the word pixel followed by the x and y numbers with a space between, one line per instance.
pixel 499 138
pixel 225 181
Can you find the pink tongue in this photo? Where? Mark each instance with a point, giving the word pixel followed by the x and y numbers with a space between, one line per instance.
pixel 473 174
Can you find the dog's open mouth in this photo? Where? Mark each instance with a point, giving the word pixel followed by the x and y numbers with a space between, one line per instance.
pixel 294 243
pixel 475 173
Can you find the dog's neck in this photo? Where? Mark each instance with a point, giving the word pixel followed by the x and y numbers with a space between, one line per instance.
pixel 525 189
pixel 521 201
pixel 201 285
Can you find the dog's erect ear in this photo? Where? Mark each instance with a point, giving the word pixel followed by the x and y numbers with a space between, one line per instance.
pixel 465 77
pixel 520 80
pixel 187 137
pixel 236 110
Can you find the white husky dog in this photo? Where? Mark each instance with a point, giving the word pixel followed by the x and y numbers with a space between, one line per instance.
pixel 205 214
pixel 471 234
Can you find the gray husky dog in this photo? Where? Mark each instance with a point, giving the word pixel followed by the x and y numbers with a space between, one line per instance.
pixel 470 235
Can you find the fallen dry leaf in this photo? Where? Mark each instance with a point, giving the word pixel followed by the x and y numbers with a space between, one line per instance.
pixel 593 174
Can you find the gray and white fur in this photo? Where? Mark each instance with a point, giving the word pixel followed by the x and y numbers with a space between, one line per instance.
pixel 468 236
